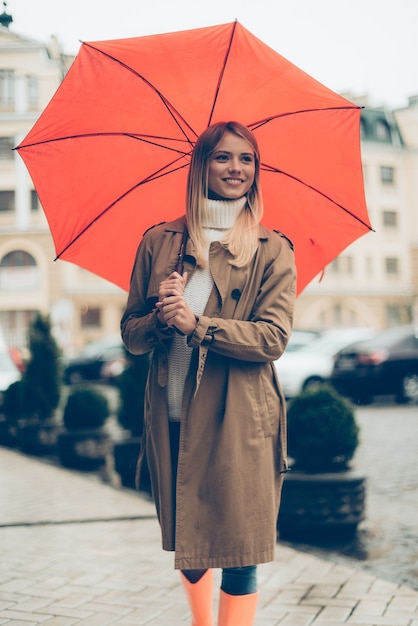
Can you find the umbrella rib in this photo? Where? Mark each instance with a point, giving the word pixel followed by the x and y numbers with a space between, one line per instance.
pixel 154 176
pixel 222 72
pixel 270 168
pixel 143 138
pixel 255 125
pixel 175 114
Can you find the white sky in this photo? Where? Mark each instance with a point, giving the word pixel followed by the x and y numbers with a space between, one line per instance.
pixel 363 46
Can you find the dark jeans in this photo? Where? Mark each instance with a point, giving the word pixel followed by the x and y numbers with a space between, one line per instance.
pixel 236 581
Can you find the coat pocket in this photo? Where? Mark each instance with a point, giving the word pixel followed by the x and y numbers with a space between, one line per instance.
pixel 264 399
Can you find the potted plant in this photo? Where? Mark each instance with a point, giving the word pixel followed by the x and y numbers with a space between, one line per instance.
pixel 322 497
pixel 84 443
pixel 131 385
pixel 37 395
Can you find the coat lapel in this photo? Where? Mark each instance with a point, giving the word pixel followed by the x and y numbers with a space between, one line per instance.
pixel 220 269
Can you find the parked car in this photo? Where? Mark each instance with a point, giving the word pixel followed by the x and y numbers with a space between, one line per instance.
pixel 102 361
pixel 312 364
pixel 301 338
pixel 384 365
pixel 9 373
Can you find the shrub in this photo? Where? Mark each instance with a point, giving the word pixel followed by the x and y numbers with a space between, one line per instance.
pixel 42 379
pixel 322 431
pixel 131 384
pixel 86 408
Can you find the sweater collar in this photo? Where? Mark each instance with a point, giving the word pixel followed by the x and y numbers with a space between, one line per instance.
pixel 221 214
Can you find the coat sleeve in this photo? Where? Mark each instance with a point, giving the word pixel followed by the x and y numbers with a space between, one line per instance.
pixel 140 329
pixel 264 336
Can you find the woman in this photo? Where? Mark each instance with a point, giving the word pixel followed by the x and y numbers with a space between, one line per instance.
pixel 214 410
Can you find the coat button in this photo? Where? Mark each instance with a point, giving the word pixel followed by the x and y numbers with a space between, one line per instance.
pixel 236 294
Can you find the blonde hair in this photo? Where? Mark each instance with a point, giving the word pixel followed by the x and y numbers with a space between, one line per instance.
pixel 242 239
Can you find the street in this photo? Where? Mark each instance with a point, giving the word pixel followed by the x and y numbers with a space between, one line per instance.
pixel 387 541
pixel 75 551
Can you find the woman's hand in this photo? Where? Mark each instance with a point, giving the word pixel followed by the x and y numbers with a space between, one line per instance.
pixel 173 308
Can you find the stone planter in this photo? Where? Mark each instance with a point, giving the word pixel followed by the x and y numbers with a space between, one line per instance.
pixel 322 506
pixel 84 449
pixel 126 458
pixel 38 437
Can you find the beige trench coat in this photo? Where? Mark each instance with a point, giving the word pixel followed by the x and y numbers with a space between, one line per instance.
pixel 223 508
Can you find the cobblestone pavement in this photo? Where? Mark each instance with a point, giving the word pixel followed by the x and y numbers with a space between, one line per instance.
pixel 386 543
pixel 74 551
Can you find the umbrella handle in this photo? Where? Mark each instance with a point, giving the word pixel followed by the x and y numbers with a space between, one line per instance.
pixel 180 265
pixel 180 255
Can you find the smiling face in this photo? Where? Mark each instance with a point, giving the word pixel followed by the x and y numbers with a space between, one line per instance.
pixel 231 168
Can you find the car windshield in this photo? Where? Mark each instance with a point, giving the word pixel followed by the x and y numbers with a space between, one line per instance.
pixel 98 347
pixel 390 337
pixel 299 339
pixel 330 343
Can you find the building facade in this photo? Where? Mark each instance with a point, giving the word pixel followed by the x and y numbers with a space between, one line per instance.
pixel 83 307
pixel 374 282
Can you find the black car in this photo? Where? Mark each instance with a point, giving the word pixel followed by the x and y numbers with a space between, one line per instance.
pixel 100 361
pixel 384 365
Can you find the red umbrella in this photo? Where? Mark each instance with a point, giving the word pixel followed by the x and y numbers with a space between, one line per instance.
pixel 109 155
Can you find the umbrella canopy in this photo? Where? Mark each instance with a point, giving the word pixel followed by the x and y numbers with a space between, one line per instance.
pixel 109 154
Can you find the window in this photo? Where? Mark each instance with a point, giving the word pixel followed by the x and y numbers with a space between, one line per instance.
pixel 387 174
pixel 17 258
pixel 342 265
pixel 6 148
pixel 382 130
pixel 18 271
pixel 334 266
pixel 392 265
pixel 337 314
pixel 32 85
pixel 390 219
pixel 398 314
pixel 7 201
pixel 393 314
pixel 16 323
pixel 7 98
pixel 34 201
pixel 364 128
pixel 91 317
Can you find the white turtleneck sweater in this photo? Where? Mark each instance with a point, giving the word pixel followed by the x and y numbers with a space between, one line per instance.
pixel 221 217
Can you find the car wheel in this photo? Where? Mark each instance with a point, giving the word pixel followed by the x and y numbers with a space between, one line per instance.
pixel 408 388
pixel 75 377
